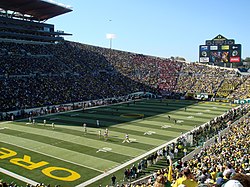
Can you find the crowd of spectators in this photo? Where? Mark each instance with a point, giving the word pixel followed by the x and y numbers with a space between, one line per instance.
pixel 13 184
pixel 164 74
pixel 200 78
pixel 21 93
pixel 168 73
pixel 243 90
pixel 11 48
pixel 34 75
pixel 89 78
pixel 26 65
pixel 228 86
pixel 25 59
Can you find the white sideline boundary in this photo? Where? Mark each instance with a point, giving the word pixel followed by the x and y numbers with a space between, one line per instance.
pixel 86 183
pixel 19 177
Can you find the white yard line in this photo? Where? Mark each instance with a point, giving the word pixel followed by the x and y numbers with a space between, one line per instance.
pixel 2 128
pixel 5 122
pixel 53 156
pixel 19 177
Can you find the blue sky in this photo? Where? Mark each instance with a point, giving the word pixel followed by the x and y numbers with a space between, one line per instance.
pixel 161 28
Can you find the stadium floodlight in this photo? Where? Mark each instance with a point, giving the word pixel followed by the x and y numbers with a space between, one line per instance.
pixel 110 37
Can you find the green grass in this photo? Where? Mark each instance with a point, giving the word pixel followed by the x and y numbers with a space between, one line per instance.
pixel 68 147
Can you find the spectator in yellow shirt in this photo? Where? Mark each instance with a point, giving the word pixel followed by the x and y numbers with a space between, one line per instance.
pixel 187 179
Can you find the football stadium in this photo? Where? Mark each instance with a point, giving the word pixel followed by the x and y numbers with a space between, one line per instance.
pixel 75 114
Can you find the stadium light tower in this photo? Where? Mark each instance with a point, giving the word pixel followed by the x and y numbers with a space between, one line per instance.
pixel 110 37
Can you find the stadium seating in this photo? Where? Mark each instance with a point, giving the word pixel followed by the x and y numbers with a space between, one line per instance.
pixel 199 78
pixel 32 74
pixel 243 90
pixel 228 86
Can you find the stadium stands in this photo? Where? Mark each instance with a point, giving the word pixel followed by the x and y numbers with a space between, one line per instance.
pixel 228 86
pixel 199 78
pixel 35 71
pixel 243 90
pixel 39 80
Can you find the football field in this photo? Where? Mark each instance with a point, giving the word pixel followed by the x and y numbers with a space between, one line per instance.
pixel 66 155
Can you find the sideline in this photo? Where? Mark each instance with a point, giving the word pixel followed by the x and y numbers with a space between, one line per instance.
pixel 19 177
pixel 86 183
pixel 77 110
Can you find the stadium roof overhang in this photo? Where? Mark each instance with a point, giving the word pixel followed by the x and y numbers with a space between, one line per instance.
pixel 37 9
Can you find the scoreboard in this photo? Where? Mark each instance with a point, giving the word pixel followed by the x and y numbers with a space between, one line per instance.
pixel 220 49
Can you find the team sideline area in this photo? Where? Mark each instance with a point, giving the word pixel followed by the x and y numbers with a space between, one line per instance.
pixel 68 153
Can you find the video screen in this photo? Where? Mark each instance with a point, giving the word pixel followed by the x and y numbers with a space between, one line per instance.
pixel 219 56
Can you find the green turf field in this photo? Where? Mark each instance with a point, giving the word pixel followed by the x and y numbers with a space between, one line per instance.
pixel 67 156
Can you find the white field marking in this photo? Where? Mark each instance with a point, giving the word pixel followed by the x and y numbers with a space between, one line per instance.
pixel 5 122
pixel 207 110
pixel 165 126
pixel 199 113
pixel 105 149
pixel 149 133
pixel 190 117
pixel 179 121
pixel 41 124
pixel 4 128
pixel 53 156
pixel 19 177
pixel 132 139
